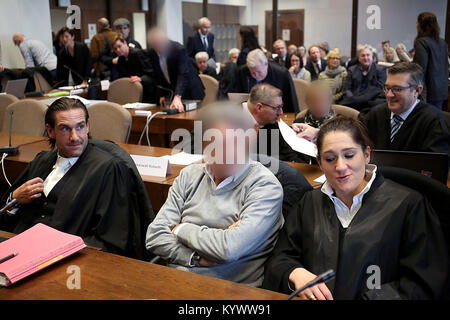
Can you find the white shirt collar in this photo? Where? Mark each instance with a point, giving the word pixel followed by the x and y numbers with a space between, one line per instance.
pixel 344 214
pixel 245 106
pixel 72 161
pixel 405 114
pixel 228 180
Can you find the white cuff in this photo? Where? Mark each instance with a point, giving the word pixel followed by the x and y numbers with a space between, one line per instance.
pixel 177 230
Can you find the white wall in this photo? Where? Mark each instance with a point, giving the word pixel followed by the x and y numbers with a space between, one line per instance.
pixel 325 20
pixel 32 18
pixel 169 18
pixel 398 20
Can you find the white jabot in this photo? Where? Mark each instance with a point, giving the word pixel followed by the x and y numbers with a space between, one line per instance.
pixel 60 168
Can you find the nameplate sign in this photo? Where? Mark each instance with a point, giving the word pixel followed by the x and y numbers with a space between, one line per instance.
pixel 152 166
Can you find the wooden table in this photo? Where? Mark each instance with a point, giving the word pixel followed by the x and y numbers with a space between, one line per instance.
pixel 109 276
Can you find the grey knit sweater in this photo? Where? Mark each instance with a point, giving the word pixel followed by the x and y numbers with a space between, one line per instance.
pixel 254 197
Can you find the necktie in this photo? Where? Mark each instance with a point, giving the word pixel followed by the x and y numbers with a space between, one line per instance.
pixel 205 43
pixel 395 125
pixel 163 65
pixel 59 170
pixel 316 68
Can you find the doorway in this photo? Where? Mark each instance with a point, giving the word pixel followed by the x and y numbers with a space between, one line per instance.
pixel 291 26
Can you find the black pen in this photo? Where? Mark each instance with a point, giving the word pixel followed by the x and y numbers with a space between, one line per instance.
pixel 12 255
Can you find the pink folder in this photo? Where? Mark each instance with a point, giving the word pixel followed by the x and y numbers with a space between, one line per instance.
pixel 36 248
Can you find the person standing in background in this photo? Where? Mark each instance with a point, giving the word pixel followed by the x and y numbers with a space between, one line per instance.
pixel 103 38
pixel 249 42
pixel 432 55
pixel 123 26
pixel 201 40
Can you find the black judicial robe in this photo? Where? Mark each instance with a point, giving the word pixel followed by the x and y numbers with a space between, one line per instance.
pixel 424 130
pixel 395 229
pixel 98 199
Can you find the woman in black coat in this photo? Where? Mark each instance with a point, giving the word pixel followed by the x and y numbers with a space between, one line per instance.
pixel 432 55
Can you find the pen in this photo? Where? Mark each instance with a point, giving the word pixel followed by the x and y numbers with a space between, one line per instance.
pixel 12 255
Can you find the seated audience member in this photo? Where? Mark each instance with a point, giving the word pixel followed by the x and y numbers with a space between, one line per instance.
pixel 221 218
pixel 334 74
pixel 233 55
pixel 302 52
pixel 265 106
pixel 364 83
pixel 355 221
pixel 201 64
pixel 402 53
pixel 353 61
pixel 315 64
pixel 390 56
pixel 173 70
pixel 123 26
pixel 292 48
pixel 74 61
pixel 201 40
pixel 134 64
pixel 259 70
pixel 385 44
pixel 79 188
pixel 249 42
pixel 58 43
pixel 404 123
pixel 283 57
pixel 101 45
pixel 297 69
pixel 37 57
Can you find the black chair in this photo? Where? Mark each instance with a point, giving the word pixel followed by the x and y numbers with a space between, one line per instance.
pixel 293 182
pixel 436 193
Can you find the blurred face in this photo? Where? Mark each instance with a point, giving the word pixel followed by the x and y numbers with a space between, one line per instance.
pixel 205 27
pixel 319 104
pixel 234 56
pixel 323 54
pixel 314 54
pixel 401 101
pixel 202 64
pixel 390 55
pixel 386 46
pixel 124 30
pixel 399 50
pixel 302 51
pixel 68 39
pixel 295 62
pixel 268 113
pixel 344 163
pixel 259 71
pixel 365 58
pixel 280 48
pixel 333 62
pixel 158 41
pixel 70 132
pixel 121 48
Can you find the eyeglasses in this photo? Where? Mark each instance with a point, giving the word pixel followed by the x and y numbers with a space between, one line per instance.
pixel 274 108
pixel 396 89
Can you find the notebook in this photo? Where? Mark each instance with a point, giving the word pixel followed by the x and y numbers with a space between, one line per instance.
pixel 36 248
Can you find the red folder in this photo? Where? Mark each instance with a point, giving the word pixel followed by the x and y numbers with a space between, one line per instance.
pixel 36 248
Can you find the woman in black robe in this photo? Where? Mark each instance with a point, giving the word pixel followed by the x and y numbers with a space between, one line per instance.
pixel 382 239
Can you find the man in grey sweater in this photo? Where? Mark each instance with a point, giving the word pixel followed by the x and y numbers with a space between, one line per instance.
pixel 221 218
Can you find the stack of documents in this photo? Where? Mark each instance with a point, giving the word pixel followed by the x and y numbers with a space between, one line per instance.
pixel 298 144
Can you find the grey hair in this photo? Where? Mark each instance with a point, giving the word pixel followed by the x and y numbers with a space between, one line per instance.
pixel 364 47
pixel 401 45
pixel 263 93
pixel 233 50
pixel 201 54
pixel 232 114
pixel 256 56
pixel 203 19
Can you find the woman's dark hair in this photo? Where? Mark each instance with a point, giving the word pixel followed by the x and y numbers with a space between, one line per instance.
pixel 298 55
pixel 341 123
pixel 69 31
pixel 428 26
pixel 249 39
pixel 63 104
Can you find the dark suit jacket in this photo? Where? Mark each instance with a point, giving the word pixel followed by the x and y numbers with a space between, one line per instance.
pixel 81 63
pixel 195 44
pixel 277 76
pixel 310 67
pixel 184 80
pixel 432 56
pixel 376 76
pixel 424 130
pixel 287 61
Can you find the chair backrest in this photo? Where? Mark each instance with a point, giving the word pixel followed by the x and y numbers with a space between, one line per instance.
pixel 40 83
pixel 211 87
pixel 124 91
pixel 109 121
pixel 300 89
pixel 5 101
pixel 29 117
pixel 343 110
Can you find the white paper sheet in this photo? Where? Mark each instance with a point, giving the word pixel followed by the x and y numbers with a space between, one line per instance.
pixel 298 144
pixel 184 158
pixel 138 105
pixel 321 179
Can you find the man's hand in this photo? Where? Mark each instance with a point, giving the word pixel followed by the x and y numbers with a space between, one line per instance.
pixel 135 79
pixel 206 263
pixel 305 131
pixel 29 191
pixel 300 276
pixel 292 69
pixel 177 104
pixel 234 225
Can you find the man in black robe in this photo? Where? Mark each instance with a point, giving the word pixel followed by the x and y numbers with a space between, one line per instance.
pixel 259 70
pixel 411 264
pixel 405 123
pixel 83 187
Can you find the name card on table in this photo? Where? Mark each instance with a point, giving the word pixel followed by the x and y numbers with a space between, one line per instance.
pixel 152 166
